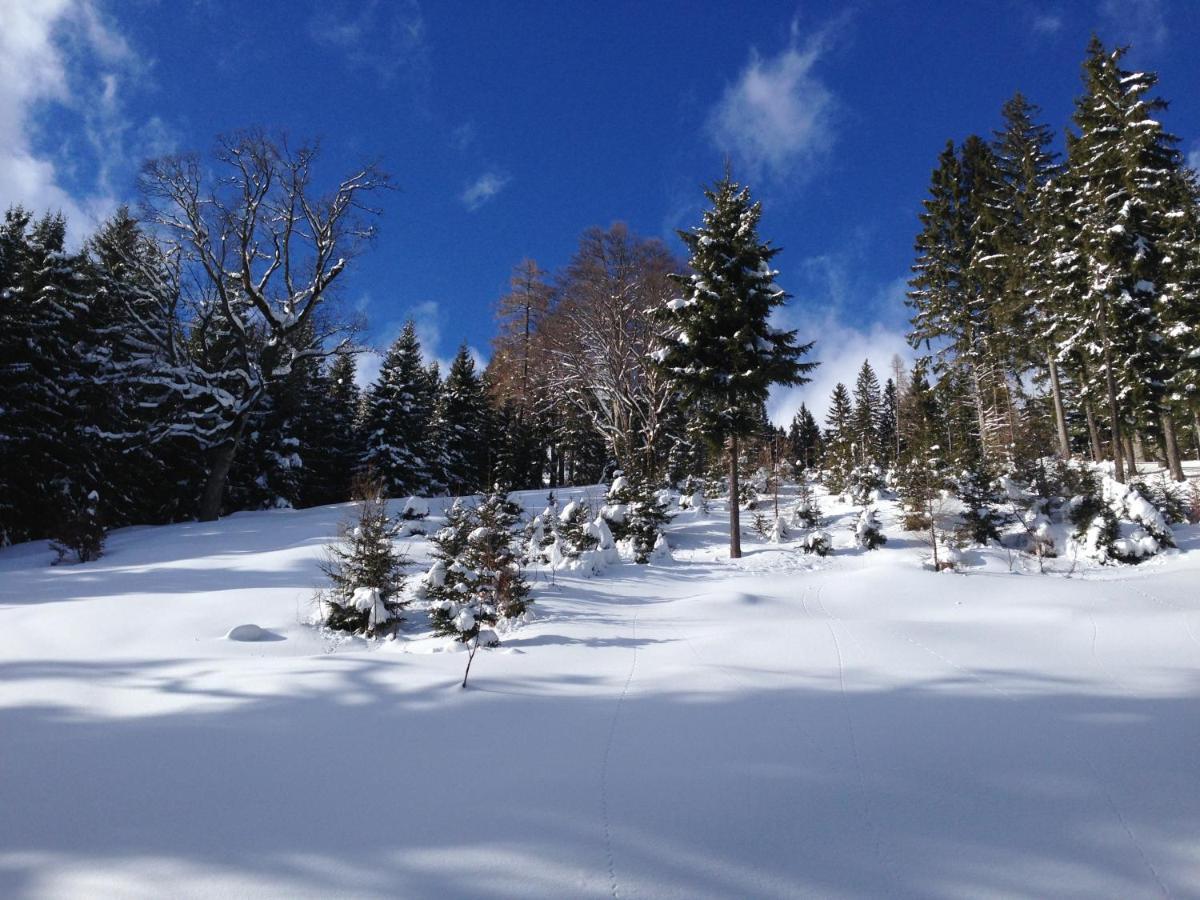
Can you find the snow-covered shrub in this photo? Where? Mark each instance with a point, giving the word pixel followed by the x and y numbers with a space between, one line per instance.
pixel 364 570
pixel 573 528
pixel 761 525
pixel 980 520
pixel 868 533
pixel 817 541
pixel 807 513
pixel 415 508
pixel 1171 499
pixel 476 579
pixel 779 532
pixel 79 529
pixel 635 513
pixel 1123 526
pixel 863 483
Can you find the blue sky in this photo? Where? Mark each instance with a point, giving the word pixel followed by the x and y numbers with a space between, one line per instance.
pixel 510 127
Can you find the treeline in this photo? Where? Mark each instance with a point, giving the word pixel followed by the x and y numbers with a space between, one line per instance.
pixel 1057 301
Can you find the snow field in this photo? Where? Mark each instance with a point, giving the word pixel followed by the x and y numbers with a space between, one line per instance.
pixel 780 726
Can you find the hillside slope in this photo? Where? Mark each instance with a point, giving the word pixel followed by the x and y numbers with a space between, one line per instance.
pixel 779 726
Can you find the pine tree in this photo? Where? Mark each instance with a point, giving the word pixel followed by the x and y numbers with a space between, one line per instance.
pixel 635 513
pixel 888 424
pixel 1122 165
pixel 719 344
pixel 838 440
pixel 396 420
pixel 867 416
pixel 461 430
pixel 365 570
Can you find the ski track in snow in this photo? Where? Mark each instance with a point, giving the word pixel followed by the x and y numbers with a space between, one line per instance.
pixel 612 731
pixel 860 773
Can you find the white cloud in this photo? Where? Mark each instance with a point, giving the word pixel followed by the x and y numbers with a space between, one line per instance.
pixel 841 349
pixel 427 319
pixel 483 189
pixel 778 117
pixel 1193 157
pixel 1047 23
pixel 851 319
pixel 65 54
pixel 389 38
pixel 1142 23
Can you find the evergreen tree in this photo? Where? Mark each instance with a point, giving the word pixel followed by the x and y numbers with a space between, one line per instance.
pixel 1122 165
pixel 867 415
pixel 719 344
pixel 461 429
pixel 396 419
pixel 888 433
pixel 838 440
pixel 365 571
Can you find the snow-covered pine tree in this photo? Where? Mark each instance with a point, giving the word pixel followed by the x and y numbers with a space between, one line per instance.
pixel 719 344
pixel 867 416
pixel 838 440
pixel 573 527
pixel 634 512
pixel 803 440
pixel 888 425
pixel 461 430
pixel 868 533
pixel 365 570
pixel 482 580
pixel 1122 164
pixel 46 453
pixel 397 416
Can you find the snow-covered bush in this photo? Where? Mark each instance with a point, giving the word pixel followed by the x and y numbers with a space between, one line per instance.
pixel 636 514
pixel 415 508
pixel 868 533
pixel 779 532
pixel 863 484
pixel 1118 524
pixel 573 528
pixel 807 513
pixel 476 578
pixel 817 541
pixel 364 570
pixel 980 520
pixel 79 529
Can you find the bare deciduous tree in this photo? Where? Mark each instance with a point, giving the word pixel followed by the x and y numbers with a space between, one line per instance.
pixel 257 248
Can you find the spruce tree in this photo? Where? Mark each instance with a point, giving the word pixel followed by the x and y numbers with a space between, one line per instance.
pixel 396 420
pixel 461 430
pixel 838 440
pixel 719 344
pixel 867 416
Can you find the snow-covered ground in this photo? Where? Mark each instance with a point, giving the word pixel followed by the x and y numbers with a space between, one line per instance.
pixel 782 726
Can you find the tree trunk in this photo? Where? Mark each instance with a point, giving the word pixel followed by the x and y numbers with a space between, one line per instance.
pixel 1196 428
pixel 1110 384
pixel 1093 432
pixel 1171 445
pixel 220 460
pixel 735 514
pixel 1060 415
pixel 1131 461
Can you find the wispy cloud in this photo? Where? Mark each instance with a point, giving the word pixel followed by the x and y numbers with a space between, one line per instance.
pixel 778 117
pixel 483 189
pixel 1193 157
pixel 1046 23
pixel 427 318
pixel 1142 23
pixel 388 38
pixel 65 54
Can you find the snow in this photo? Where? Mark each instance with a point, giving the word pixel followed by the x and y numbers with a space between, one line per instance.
pixel 781 725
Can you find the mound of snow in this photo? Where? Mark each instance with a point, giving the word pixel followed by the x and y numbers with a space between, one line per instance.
pixel 248 632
